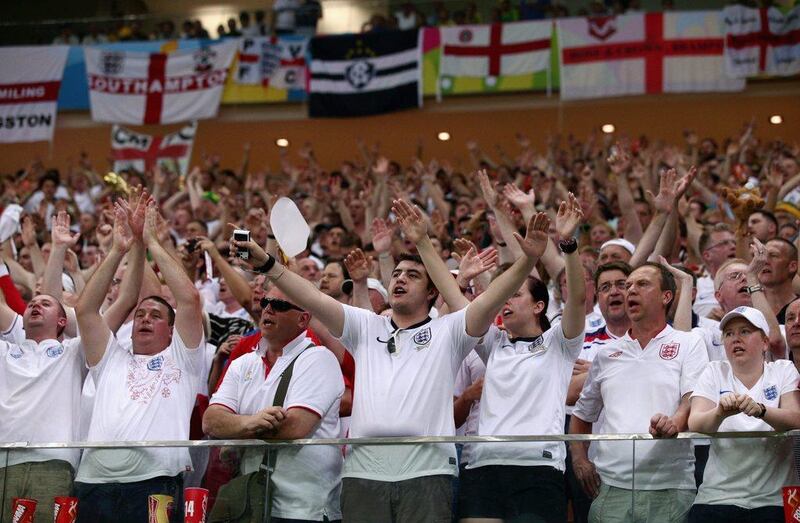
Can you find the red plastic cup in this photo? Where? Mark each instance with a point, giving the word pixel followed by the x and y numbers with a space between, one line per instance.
pixel 159 508
pixel 791 504
pixel 195 505
pixel 22 510
pixel 65 509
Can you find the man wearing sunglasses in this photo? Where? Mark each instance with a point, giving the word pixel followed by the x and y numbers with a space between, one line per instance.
pixel 406 369
pixel 306 480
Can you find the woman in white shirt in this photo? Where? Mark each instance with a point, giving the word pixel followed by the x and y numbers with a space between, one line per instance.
pixel 528 370
pixel 743 479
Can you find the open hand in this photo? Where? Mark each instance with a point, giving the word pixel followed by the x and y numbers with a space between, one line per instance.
pixel 535 241
pixel 412 221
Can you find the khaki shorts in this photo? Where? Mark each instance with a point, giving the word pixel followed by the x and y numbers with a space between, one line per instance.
pixel 427 499
pixel 617 505
pixel 41 481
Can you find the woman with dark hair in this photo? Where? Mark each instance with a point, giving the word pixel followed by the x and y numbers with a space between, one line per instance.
pixel 528 371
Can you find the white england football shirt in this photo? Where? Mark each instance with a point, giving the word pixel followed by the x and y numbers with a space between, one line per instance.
pixel 407 393
pixel 307 478
pixel 142 397
pixel 525 392
pixel 629 385
pixel 470 371
pixel 749 473
pixel 40 385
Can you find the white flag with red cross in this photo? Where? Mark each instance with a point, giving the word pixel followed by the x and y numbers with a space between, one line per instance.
pixel 141 152
pixel 30 78
pixel 761 41
pixel 650 53
pixel 513 48
pixel 157 88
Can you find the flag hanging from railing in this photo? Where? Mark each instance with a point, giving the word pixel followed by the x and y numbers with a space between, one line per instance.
pixel 139 151
pixel 364 74
pixel 30 78
pixel 157 88
pixel 761 41
pixel 274 61
pixel 652 53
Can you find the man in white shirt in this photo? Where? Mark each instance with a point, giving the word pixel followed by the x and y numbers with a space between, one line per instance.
pixel 145 392
pixel 641 382
pixel 717 246
pixel 307 479
pixel 40 384
pixel 406 367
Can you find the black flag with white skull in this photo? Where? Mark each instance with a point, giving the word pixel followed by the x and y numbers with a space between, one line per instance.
pixel 364 74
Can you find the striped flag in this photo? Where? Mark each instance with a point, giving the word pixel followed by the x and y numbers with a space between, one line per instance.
pixel 364 74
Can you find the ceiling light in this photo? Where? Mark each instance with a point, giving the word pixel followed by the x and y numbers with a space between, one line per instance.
pixel 776 119
pixel 608 128
pixel 282 142
pixel 443 136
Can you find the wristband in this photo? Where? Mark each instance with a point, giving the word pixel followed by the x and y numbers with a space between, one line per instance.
pixel 271 236
pixel 763 411
pixel 568 246
pixel 384 255
pixel 755 288
pixel 501 244
pixel 270 263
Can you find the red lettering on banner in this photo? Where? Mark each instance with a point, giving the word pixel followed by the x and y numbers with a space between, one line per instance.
pixel 29 92
pixel 763 38
pixel 152 153
pixel 653 49
pixel 496 49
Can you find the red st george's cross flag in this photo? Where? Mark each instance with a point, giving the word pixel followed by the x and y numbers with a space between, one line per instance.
pixel 30 78
pixel 649 53
pixel 139 151
pixel 514 48
pixel 157 88
pixel 761 41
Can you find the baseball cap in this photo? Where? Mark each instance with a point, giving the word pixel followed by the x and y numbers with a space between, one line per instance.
pixel 754 316
pixel 376 285
pixel 620 242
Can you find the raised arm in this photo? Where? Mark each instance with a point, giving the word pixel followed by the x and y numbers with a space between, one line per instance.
pixel 482 311
pixel 777 345
pixel 61 240
pixel 671 188
pixel 131 284
pixel 415 229
pixel 573 321
pixel 358 266
pixel 237 284
pixel 299 290
pixel 382 242
pixel 189 310
pixel 682 320
pixel 94 331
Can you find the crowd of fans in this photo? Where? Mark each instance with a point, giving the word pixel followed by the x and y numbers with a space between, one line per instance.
pixel 301 17
pixel 607 285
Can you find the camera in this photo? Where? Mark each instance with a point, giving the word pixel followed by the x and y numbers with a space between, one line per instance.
pixel 242 235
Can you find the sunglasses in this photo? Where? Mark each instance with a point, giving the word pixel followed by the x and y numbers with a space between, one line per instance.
pixel 279 305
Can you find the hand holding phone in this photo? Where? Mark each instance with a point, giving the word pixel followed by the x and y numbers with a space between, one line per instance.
pixel 242 235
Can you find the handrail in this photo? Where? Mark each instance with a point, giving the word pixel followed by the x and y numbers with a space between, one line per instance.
pixel 413 440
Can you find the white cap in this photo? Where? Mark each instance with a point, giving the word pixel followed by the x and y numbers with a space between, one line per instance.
pixel 620 242
pixel 376 285
pixel 752 315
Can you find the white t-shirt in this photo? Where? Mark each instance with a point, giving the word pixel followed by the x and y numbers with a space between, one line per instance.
pixel 705 302
pixel 748 473
pixel 306 478
pixel 40 385
pixel 408 393
pixel 525 392
pixel 629 385
pixel 712 338
pixel 142 397
pixel 470 371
